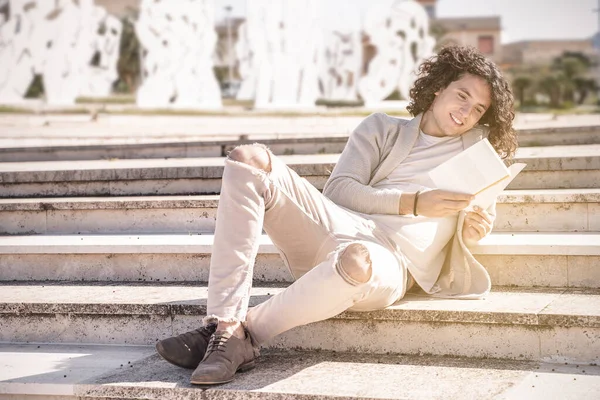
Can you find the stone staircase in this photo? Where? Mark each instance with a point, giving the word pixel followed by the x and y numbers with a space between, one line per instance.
pixel 99 259
pixel 207 145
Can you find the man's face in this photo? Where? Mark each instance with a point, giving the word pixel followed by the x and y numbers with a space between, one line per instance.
pixel 458 107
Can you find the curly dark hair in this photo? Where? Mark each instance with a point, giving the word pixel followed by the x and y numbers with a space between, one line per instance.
pixel 449 65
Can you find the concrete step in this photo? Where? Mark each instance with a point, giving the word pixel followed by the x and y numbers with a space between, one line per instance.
pixel 551 167
pixel 562 210
pixel 516 259
pixel 96 371
pixel 134 177
pixel 558 325
pixel 142 214
pixel 300 143
pixel 297 144
pixel 548 210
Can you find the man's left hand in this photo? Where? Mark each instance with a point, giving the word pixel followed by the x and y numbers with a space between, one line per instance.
pixel 478 223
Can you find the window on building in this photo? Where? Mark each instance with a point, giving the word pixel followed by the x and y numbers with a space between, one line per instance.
pixel 486 44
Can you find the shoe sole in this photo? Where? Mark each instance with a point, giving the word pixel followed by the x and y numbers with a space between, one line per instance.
pixel 161 351
pixel 242 368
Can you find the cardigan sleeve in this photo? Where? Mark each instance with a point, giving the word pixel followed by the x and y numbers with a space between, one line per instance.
pixel 491 210
pixel 348 184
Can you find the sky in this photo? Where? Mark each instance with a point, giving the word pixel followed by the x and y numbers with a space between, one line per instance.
pixel 521 19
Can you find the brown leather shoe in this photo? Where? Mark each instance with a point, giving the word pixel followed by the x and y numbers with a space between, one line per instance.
pixel 226 355
pixel 187 349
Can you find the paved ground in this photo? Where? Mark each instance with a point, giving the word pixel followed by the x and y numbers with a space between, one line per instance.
pixel 128 372
pixel 19 130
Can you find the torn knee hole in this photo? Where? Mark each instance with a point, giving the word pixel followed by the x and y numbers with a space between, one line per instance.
pixel 255 155
pixel 354 264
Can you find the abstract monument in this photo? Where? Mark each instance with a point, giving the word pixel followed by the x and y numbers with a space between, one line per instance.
pixel 57 40
pixel 399 30
pixel 279 53
pixel 102 70
pixel 342 55
pixel 290 52
pixel 178 40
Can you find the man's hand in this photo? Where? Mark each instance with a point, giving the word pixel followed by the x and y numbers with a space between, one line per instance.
pixel 477 224
pixel 441 203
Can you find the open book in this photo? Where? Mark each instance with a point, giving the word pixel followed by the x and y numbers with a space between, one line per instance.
pixel 477 170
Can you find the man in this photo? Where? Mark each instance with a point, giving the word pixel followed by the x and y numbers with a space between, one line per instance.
pixel 379 227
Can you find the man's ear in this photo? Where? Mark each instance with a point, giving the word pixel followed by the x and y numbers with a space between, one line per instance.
pixel 440 90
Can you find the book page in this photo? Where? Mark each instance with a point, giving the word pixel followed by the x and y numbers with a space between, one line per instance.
pixel 470 171
pixel 486 197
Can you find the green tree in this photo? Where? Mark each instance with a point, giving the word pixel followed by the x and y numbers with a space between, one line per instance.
pixel 566 80
pixel 584 86
pixel 572 69
pixel 520 84
pixel 551 86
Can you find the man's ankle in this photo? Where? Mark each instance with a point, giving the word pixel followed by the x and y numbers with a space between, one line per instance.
pixel 234 328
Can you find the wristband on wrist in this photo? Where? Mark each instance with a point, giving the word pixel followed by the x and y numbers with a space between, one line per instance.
pixel 415 205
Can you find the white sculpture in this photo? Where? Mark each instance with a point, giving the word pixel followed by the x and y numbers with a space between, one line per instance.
pixel 341 66
pixel 342 53
pixel 178 40
pixel 281 54
pixel 399 29
pixel 65 65
pixel 245 62
pixel 105 47
pixel 21 50
pixel 51 38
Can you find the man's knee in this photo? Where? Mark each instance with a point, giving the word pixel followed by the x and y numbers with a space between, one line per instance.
pixel 253 155
pixel 355 263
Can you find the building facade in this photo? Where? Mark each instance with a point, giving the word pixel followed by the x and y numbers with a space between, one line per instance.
pixel 119 8
pixel 483 33
pixel 536 52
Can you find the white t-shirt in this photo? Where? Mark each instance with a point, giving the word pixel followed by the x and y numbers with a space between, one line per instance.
pixel 421 239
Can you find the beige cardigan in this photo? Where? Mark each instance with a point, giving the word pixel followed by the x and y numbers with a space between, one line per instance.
pixel 377 146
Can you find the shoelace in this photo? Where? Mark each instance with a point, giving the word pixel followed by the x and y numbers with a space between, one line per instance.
pixel 216 343
pixel 205 331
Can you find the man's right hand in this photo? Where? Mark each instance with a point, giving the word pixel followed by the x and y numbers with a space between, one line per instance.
pixel 441 203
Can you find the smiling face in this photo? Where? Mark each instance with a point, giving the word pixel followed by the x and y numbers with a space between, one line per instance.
pixel 457 108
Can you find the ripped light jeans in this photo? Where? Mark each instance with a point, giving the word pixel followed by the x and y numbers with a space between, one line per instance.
pixel 311 232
